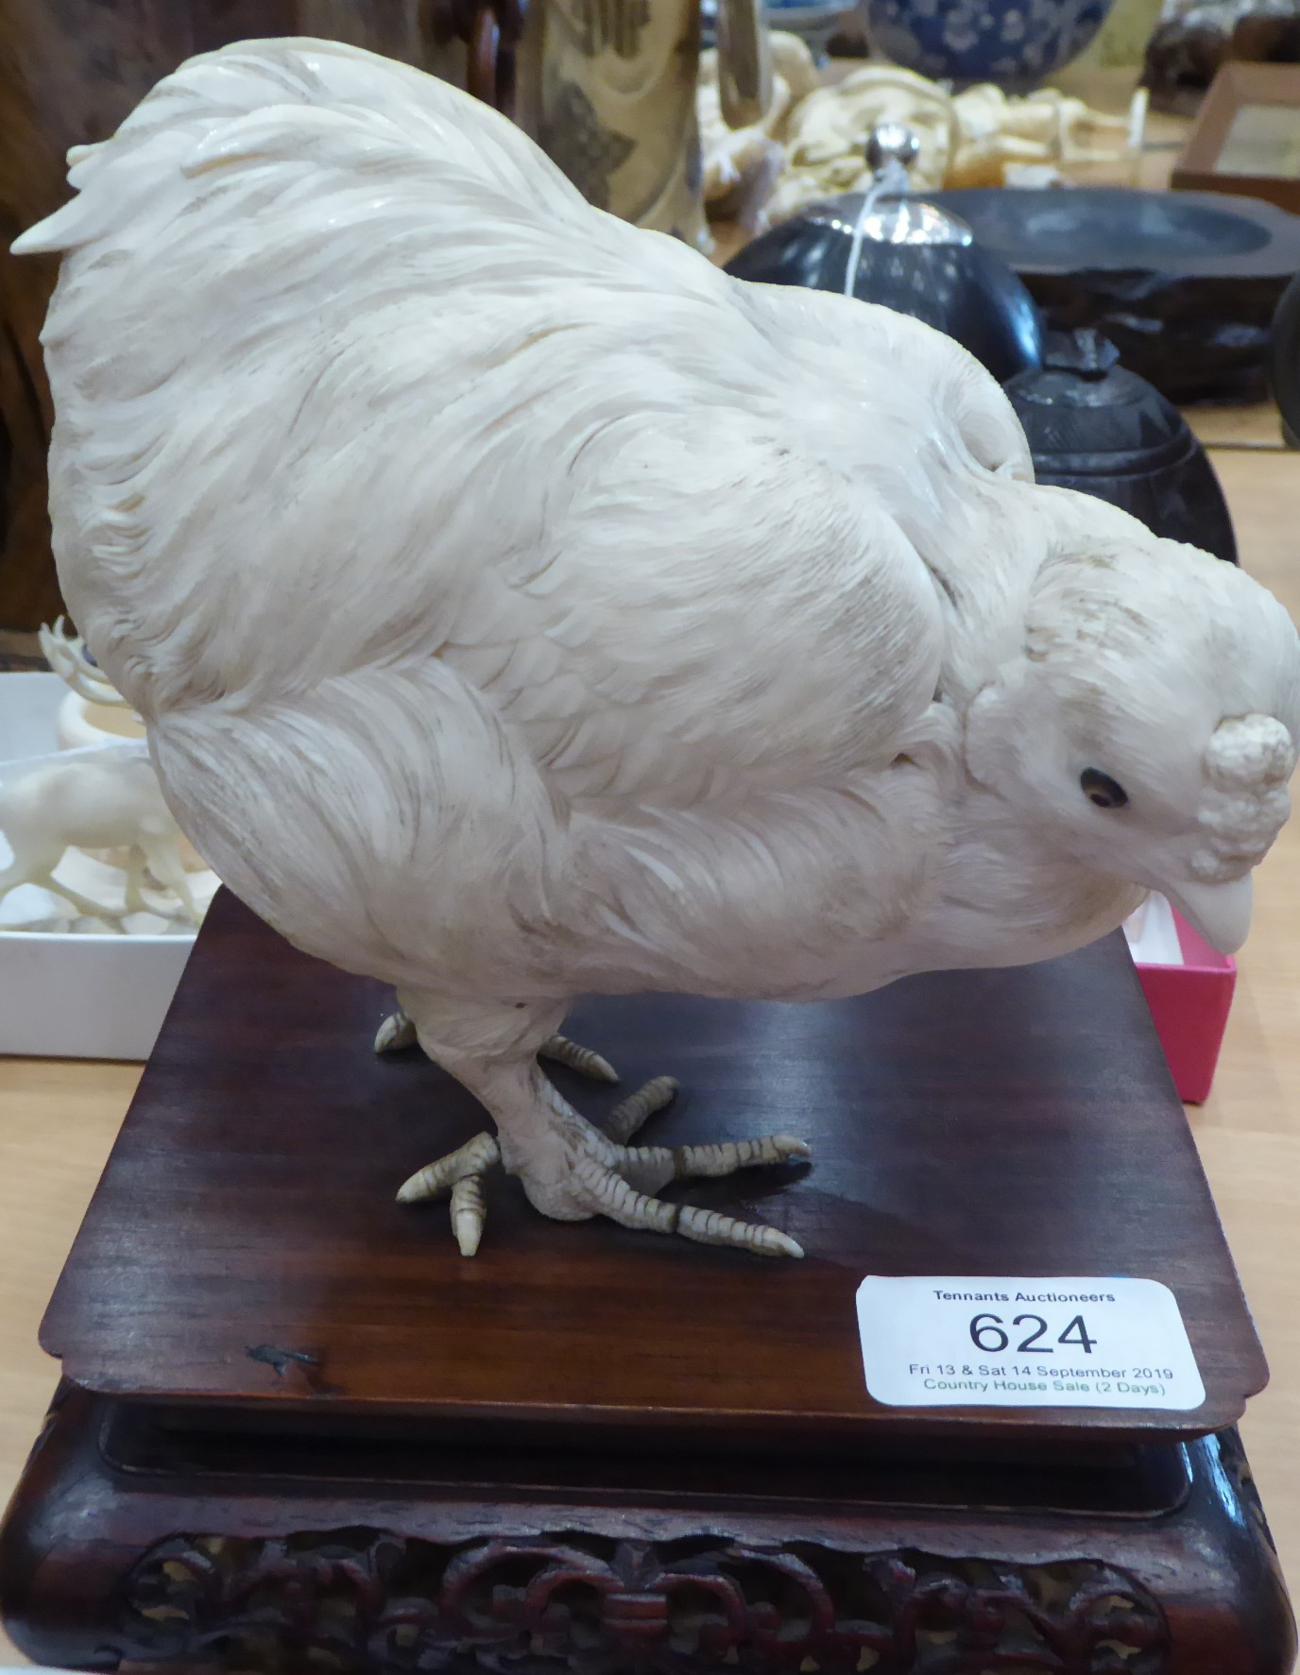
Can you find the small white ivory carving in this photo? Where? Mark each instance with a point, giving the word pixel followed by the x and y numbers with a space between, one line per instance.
pixel 519 607
pixel 742 165
pixel 811 143
pixel 65 653
pixel 107 800
pixel 93 713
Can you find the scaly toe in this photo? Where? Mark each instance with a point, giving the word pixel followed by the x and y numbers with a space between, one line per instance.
pixel 395 1033
pixel 460 1172
pixel 710 1228
pixel 610 1195
pixel 560 1050
pixel 632 1113
pixel 652 1167
pixel 726 1157
pixel 475 1157
pixel 468 1213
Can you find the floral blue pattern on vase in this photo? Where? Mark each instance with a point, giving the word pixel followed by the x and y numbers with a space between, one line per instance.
pixel 1011 42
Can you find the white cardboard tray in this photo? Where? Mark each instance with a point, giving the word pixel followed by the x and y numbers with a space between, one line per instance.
pixel 67 994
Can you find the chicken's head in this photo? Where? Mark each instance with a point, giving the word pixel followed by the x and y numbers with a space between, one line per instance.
pixel 1148 725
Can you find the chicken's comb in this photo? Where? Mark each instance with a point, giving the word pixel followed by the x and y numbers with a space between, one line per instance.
pixel 1249 752
pixel 1248 763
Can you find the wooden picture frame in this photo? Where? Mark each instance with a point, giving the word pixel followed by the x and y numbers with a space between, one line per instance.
pixel 1246 138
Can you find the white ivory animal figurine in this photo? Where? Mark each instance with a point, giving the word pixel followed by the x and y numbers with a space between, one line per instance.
pixel 520 607
pixel 742 165
pixel 811 142
pixel 66 655
pixel 106 799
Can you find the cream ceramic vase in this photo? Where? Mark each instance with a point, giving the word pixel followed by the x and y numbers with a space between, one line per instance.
pixel 615 107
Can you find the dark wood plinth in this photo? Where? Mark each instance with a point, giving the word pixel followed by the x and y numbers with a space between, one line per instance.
pixel 298 1432
pixel 130 1542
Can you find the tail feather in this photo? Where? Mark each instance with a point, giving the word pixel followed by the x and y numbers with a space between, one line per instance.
pixel 282 241
pixel 248 103
pixel 305 292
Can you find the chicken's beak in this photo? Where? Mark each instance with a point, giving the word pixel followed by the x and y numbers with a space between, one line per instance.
pixel 1220 912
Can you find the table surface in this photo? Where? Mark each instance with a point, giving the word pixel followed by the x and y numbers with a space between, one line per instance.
pixel 58 1119
pixel 966 1123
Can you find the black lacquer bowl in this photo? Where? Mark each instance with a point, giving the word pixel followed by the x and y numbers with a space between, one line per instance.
pixel 1183 283
pixel 959 288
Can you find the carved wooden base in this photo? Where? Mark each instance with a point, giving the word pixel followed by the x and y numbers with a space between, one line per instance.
pixel 324 1442
pixel 156 1540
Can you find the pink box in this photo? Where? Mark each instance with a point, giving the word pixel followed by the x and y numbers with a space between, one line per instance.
pixel 1190 1005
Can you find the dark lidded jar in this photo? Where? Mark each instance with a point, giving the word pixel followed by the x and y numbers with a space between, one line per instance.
pixel 904 253
pixel 1097 427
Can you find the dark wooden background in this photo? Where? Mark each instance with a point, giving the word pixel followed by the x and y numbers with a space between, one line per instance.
pixel 70 71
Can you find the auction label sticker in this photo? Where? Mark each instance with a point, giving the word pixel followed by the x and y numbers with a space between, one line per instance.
pixel 945 1341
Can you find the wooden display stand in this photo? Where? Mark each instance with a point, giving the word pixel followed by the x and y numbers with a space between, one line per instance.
pixel 297 1432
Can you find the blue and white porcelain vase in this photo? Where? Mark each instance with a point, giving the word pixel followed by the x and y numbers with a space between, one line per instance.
pixel 1015 43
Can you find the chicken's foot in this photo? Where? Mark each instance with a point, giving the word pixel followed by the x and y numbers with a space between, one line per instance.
pixel 610 1178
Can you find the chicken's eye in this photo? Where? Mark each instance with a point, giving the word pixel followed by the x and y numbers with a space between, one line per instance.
pixel 1101 789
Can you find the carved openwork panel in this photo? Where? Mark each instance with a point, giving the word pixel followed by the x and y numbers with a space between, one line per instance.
pixel 358 1600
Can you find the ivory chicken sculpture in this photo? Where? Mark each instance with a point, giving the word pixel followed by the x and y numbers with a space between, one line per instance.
pixel 519 607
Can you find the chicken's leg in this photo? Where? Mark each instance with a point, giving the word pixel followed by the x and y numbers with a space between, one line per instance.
pixel 397 1033
pixel 572 1170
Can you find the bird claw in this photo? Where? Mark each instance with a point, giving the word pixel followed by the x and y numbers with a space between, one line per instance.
pixel 609 1193
pixel 560 1050
pixel 468 1213
pixel 395 1034
pixel 461 1173
pixel 619 1181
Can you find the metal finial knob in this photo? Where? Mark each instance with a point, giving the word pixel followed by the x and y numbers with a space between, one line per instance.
pixel 1086 352
pixel 892 142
